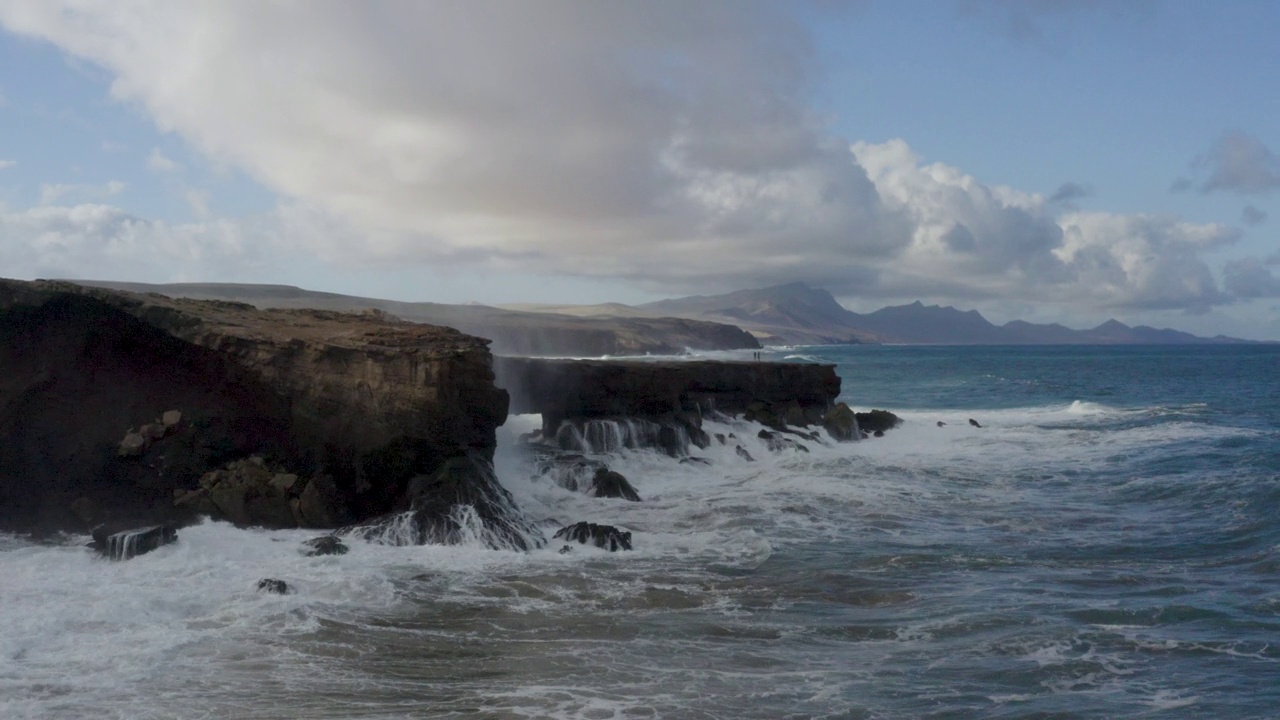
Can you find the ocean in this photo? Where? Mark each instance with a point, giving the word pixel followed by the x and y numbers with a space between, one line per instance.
pixel 1106 545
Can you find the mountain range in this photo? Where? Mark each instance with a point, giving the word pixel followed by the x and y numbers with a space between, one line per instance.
pixel 792 314
pixel 797 314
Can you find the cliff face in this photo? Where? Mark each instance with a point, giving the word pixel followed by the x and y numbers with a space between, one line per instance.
pixel 356 405
pixel 577 389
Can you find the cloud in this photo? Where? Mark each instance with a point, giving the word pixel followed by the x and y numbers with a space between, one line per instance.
pixel 1239 163
pixel 978 241
pixel 1252 215
pixel 668 145
pixel 54 193
pixel 159 162
pixel 6 164
pixel 95 241
pixel 1070 191
pixel 1253 277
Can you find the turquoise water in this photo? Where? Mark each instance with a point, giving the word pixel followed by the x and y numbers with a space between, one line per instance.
pixel 1106 545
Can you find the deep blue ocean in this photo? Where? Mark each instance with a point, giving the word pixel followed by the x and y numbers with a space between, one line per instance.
pixel 1106 545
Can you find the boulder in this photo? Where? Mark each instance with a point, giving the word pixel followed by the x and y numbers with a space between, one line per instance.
pixel 271 585
pixel 841 423
pixel 325 545
pixel 322 505
pixel 742 453
pixel 123 544
pixel 882 420
pixel 133 445
pixel 602 536
pixel 610 484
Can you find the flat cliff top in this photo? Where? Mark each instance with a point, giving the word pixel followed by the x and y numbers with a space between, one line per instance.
pixel 192 319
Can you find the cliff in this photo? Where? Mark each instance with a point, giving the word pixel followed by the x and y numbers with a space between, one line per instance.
pixel 584 389
pixel 112 404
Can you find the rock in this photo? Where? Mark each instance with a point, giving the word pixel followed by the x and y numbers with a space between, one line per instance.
pixel 284 482
pixel 85 510
pixel 941 424
pixel 841 423
pixel 118 544
pixel 565 550
pixel 720 438
pixel 322 504
pixel 572 471
pixel 878 433
pixel 974 423
pixel 318 392
pixel 565 389
pixel 742 453
pixel 602 536
pixel 152 431
pixel 610 484
pixel 325 545
pixel 694 460
pixel 271 585
pixel 461 501
pixel 882 420
pixel 133 445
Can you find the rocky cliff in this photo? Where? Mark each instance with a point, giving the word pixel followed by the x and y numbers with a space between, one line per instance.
pixel 574 390
pixel 112 404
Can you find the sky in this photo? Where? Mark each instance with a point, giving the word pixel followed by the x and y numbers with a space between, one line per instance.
pixel 1050 160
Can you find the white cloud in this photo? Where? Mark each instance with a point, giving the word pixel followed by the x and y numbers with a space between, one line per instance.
pixel 94 241
pixel 159 162
pixel 670 145
pixel 6 164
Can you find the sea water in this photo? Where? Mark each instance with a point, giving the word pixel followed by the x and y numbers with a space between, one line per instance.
pixel 1106 545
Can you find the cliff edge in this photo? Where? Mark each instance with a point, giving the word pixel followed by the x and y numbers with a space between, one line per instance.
pixel 113 404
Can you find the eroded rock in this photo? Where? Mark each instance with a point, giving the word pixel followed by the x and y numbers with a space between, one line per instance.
pixel 602 536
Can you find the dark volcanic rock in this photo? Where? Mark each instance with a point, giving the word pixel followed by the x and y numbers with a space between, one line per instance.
pixel 363 399
pixel 563 389
pixel 325 545
pixel 974 423
pixel 118 544
pixel 877 420
pixel 841 423
pixel 271 585
pixel 461 500
pixel 602 536
pixel 610 484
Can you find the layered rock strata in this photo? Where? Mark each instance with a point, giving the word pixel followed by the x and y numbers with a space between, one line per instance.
pixel 363 400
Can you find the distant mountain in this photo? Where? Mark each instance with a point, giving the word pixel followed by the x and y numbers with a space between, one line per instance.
pixel 512 332
pixel 790 314
pixel 799 314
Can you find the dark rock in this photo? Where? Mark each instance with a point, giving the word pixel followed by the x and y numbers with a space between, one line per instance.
pixel 882 420
pixel 974 423
pixel 322 504
pixel 878 433
pixel 271 585
pixel 462 499
pixel 742 453
pixel 602 536
pixel 610 484
pixel 765 435
pixel 85 510
pixel 118 544
pixel 694 460
pixel 325 545
pixel 566 549
pixel 941 424
pixel 841 423
pixel 720 438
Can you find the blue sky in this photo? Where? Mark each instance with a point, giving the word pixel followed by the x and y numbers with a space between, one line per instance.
pixel 1051 160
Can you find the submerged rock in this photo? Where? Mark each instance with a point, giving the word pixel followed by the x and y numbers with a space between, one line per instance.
pixel 974 423
pixel 325 545
pixel 610 484
pixel 271 585
pixel 602 536
pixel 119 544
pixel 742 453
